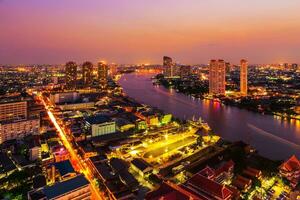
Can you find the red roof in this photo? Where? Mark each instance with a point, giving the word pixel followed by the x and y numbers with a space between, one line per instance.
pixel 208 186
pixel 225 168
pixel 292 164
pixel 207 172
pixel 170 191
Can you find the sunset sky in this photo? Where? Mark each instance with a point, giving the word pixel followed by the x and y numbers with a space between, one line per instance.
pixel 142 31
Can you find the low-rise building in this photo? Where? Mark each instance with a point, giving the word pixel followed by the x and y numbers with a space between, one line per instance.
pixel 60 153
pixel 60 171
pixel 64 97
pixel 207 188
pixel 71 189
pixel 76 106
pixel 141 166
pixel 100 125
pixel 290 169
pixel 124 125
pixel 170 191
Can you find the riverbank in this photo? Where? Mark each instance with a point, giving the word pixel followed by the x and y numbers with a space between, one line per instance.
pixel 273 138
pixel 282 107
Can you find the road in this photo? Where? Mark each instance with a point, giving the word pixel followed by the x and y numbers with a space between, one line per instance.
pixel 76 160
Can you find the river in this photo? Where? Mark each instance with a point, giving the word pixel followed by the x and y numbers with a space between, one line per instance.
pixel 272 137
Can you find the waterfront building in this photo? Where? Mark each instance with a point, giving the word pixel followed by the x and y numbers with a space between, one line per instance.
pixel 290 169
pixel 185 70
pixel 100 125
pixel 217 77
pixel 71 189
pixel 113 69
pixel 294 66
pixel 221 174
pixel 141 124
pixel 165 119
pixel 87 73
pixel 168 67
pixel 14 110
pixel 244 77
pixel 71 75
pixel 102 74
pixel 207 188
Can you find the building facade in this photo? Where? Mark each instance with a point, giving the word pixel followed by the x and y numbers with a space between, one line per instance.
pixel 71 75
pixel 87 73
pixel 168 67
pixel 64 97
pixel 217 77
pixel 19 129
pixel 13 110
pixel 244 77
pixel 71 189
pixel 102 74
pixel 100 125
pixel 113 69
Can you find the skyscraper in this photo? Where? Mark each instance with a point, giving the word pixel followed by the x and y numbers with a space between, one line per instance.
pixel 217 77
pixel 71 75
pixel 185 70
pixel 102 74
pixel 168 66
pixel 244 77
pixel 87 73
pixel 113 69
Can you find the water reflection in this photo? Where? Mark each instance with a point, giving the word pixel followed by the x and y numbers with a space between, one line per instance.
pixel 229 122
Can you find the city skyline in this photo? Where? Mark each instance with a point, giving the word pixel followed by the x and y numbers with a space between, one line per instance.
pixel 141 31
pixel 140 99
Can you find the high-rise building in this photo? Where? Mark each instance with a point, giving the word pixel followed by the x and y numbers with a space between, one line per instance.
pixel 294 66
pixel 113 69
pixel 15 120
pixel 244 77
pixel 217 77
pixel 71 75
pixel 185 70
pixel 168 66
pixel 102 74
pixel 13 110
pixel 228 67
pixel 18 129
pixel 87 73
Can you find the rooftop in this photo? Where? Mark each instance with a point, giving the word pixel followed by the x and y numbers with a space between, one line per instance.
pixel 140 164
pixel 292 164
pixel 171 191
pixel 64 167
pixel 98 119
pixel 201 184
pixel 61 188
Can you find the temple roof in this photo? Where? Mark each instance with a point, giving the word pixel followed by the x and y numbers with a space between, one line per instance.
pixel 292 164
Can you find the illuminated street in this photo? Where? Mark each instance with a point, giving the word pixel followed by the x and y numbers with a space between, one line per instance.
pixel 76 160
pixel 149 100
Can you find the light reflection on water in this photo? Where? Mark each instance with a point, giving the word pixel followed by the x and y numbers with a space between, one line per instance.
pixel 229 122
